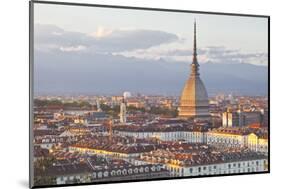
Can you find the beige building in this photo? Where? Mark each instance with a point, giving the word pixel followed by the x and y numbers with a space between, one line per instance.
pixel 230 137
pixel 196 164
pixel 188 136
pixel 194 98
pixel 247 166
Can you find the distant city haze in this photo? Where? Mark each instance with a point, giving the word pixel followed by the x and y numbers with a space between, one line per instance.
pixel 98 53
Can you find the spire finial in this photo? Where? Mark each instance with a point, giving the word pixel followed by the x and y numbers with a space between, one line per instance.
pixel 194 45
pixel 195 65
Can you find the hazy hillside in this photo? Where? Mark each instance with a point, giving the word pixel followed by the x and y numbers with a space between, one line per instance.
pixel 73 73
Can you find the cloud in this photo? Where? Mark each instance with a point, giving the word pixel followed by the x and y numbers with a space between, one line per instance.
pixel 213 54
pixel 138 43
pixel 101 32
pixel 50 38
pixel 223 55
pixel 73 48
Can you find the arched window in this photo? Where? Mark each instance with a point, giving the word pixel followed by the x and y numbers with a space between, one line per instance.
pixel 94 175
pixel 119 172
pixel 124 172
pixel 100 174
pixel 146 169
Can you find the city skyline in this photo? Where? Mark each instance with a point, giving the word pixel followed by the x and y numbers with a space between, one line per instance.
pixel 160 104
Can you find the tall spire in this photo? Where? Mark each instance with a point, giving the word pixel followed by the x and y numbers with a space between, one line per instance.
pixel 194 45
pixel 194 65
pixel 194 101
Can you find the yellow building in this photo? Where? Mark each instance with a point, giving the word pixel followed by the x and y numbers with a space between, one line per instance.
pixel 256 143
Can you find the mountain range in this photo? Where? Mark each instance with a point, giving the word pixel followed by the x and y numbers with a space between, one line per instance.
pixel 84 73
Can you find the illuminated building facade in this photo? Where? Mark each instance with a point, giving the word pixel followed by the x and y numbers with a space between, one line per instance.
pixel 233 119
pixel 123 116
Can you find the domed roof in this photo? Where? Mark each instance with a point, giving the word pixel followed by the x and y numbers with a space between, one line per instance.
pixel 194 93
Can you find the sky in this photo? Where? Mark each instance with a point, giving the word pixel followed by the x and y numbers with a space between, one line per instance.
pixel 76 39
pixel 246 35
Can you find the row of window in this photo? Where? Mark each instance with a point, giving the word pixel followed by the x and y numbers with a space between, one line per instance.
pixel 214 167
pixel 224 140
pixel 168 134
pixel 229 166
